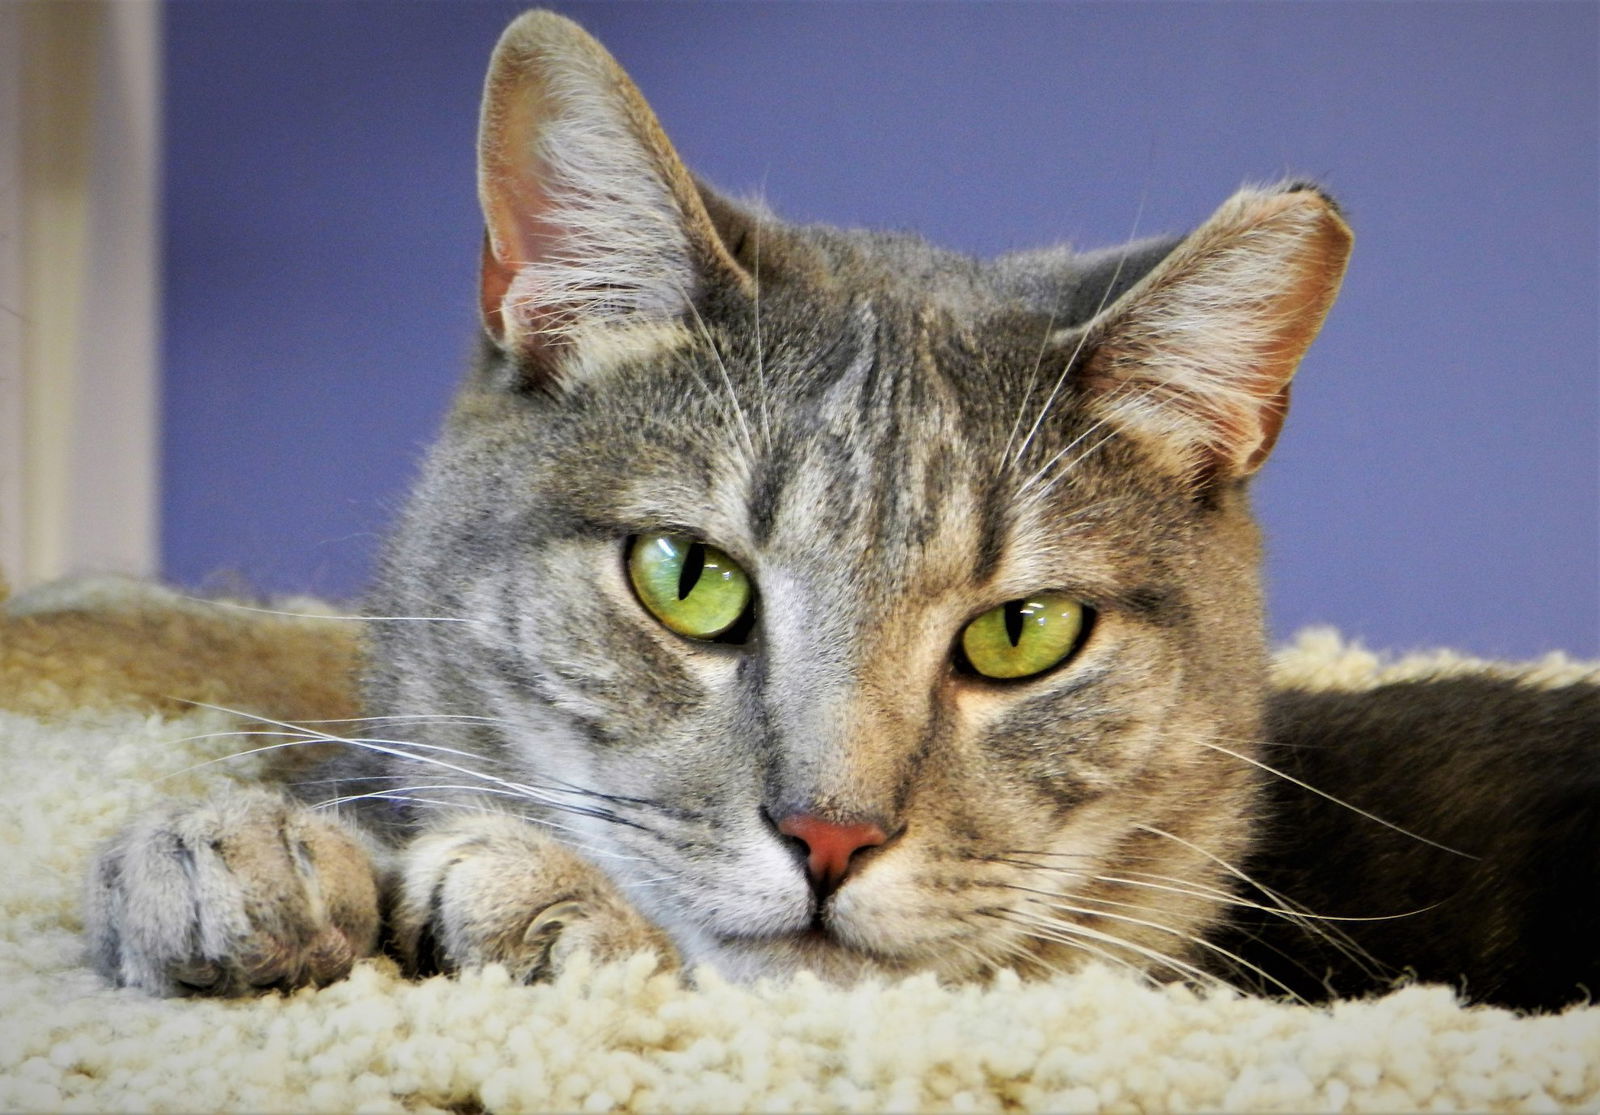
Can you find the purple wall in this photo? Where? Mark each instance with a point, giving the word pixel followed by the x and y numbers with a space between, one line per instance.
pixel 1439 480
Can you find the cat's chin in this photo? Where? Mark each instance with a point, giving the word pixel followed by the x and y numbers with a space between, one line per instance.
pixel 823 955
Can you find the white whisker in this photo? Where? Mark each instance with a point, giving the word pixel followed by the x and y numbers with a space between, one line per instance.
pixel 761 366
pixel 1294 911
pixel 1058 902
pixel 1060 931
pixel 1083 337
pixel 1337 801
pixel 320 615
pixel 1202 891
pixel 382 747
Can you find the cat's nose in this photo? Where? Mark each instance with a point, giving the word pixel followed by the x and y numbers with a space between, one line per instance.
pixel 830 845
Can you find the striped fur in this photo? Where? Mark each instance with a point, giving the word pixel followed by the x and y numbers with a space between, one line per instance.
pixel 891 440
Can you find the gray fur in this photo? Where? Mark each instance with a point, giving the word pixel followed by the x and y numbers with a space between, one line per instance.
pixel 891 440
pixel 243 893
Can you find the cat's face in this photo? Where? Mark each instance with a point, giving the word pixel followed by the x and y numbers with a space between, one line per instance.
pixel 979 613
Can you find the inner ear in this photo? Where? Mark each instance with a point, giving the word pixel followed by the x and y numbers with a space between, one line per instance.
pixel 1196 358
pixel 592 222
pixel 734 228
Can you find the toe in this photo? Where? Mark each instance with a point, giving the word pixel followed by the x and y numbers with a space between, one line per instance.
pixel 330 957
pixel 198 976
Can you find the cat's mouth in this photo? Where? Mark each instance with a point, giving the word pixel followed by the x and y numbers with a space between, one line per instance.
pixel 814 949
pixel 817 935
pixel 820 941
pixel 827 954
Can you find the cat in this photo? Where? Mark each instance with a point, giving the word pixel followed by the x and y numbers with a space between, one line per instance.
pixel 792 598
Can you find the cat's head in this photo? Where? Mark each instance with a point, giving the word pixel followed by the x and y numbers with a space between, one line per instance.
pixel 853 603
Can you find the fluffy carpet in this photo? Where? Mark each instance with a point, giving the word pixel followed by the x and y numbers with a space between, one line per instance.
pixel 93 728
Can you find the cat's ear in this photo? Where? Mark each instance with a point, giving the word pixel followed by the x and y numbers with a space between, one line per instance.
pixel 1199 353
pixel 593 225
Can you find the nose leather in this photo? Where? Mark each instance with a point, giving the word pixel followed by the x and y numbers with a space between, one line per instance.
pixel 830 845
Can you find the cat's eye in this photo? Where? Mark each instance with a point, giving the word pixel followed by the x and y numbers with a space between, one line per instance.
pixel 1024 637
pixel 692 588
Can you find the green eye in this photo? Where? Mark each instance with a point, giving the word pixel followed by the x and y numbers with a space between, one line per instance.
pixel 1023 637
pixel 694 589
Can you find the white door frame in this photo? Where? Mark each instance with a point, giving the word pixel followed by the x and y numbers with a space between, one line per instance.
pixel 79 287
pixel 12 401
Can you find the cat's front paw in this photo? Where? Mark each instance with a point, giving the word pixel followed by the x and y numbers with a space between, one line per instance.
pixel 242 893
pixel 495 890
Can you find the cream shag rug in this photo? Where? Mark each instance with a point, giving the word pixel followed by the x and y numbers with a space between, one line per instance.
pixel 90 735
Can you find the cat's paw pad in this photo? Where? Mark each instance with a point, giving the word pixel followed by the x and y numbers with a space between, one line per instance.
pixel 246 892
pixel 495 890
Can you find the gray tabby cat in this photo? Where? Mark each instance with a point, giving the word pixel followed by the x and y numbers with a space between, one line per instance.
pixel 817 599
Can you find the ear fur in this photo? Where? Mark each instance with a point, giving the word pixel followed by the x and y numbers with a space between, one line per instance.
pixel 592 221
pixel 1199 354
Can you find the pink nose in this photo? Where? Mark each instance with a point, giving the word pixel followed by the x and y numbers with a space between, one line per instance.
pixel 830 845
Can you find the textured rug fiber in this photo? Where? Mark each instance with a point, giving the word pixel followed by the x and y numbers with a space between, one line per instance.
pixel 91 732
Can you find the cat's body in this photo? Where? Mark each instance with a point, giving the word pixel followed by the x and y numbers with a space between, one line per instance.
pixel 994 692
pixel 1502 777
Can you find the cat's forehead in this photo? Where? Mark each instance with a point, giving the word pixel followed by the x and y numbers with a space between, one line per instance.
pixel 875 437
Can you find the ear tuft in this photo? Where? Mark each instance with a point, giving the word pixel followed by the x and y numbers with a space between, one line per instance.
pixel 1199 354
pixel 1307 186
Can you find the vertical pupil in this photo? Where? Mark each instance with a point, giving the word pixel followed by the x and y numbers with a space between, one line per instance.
pixel 1013 610
pixel 693 563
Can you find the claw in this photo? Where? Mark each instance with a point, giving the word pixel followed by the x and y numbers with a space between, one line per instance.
pixel 330 957
pixel 542 933
pixel 198 976
pixel 552 920
pixel 267 962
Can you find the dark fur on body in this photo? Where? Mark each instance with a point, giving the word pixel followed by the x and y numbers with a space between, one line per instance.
pixel 1504 773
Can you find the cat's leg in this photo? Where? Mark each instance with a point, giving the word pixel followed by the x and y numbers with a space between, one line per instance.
pixel 244 892
pixel 494 889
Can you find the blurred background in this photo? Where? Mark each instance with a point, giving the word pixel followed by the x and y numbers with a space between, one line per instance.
pixel 239 283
